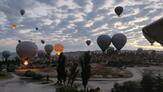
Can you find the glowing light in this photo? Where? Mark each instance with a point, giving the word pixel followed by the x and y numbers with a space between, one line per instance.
pixel 58 53
pixel 58 48
pixel 26 62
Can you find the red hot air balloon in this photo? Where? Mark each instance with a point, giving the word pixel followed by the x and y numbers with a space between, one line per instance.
pixel 13 26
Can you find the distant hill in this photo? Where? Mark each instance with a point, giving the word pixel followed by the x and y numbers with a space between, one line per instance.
pixel 74 54
pixel 79 53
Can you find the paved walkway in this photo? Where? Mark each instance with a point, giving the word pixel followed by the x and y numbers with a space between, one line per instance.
pixel 17 85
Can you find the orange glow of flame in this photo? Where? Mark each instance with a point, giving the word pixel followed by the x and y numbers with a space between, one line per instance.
pixel 58 48
pixel 58 53
pixel 26 62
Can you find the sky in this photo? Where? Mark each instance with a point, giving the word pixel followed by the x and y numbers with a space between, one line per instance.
pixel 72 22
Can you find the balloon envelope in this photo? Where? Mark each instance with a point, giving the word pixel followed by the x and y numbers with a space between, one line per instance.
pixel 155 30
pixel 88 42
pixel 148 38
pixel 139 51
pixel 19 41
pixel 104 41
pixel 58 48
pixel 42 41
pixel 26 49
pixel 13 25
pixel 119 40
pixel 110 50
pixel 48 48
pixel 118 10
pixel 22 12
pixel 36 28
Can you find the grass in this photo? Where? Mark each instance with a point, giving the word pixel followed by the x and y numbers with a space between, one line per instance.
pixel 5 75
pixel 42 81
pixel 30 79
pixel 110 72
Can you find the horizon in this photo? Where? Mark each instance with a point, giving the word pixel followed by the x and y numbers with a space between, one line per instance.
pixel 72 22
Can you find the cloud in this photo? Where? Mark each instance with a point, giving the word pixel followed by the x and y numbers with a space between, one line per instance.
pixel 71 22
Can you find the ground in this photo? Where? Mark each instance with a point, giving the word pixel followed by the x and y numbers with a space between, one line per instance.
pixel 17 85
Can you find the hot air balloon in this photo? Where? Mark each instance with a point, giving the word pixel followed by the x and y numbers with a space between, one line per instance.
pixel 48 48
pixel 88 42
pixel 26 49
pixel 139 51
pixel 36 28
pixel 22 12
pixel 154 31
pixel 104 41
pixel 6 54
pixel 118 10
pixel 148 38
pixel 119 40
pixel 42 41
pixel 19 41
pixel 58 48
pixel 13 25
pixel 110 50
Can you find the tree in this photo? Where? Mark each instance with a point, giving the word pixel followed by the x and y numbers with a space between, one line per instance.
pixel 17 60
pixel 159 84
pixel 86 68
pixel 129 86
pixel 61 71
pixel 148 83
pixel 117 88
pixel 73 72
pixel 6 55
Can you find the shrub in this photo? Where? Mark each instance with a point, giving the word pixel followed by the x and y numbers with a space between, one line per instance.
pixel 29 73
pixel 11 68
pixel 68 89
pixel 37 77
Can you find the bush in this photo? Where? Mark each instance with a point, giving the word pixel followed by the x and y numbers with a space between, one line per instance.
pixel 29 73
pixel 33 75
pixel 2 74
pixel 149 83
pixel 68 89
pixel 37 77
pixel 129 86
pixel 11 68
